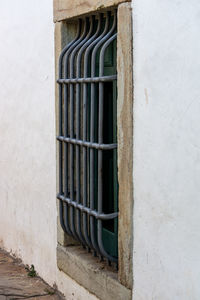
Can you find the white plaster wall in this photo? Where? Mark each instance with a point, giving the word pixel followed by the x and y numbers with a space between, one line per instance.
pixel 27 139
pixel 166 145
pixel 166 149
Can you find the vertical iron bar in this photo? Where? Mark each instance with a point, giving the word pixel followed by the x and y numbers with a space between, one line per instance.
pixel 67 62
pixel 74 53
pixel 86 58
pixel 78 75
pixel 107 40
pixel 64 224
pixel 85 227
pixel 92 120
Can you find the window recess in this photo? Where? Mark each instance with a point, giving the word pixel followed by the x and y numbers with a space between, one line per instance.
pixel 88 184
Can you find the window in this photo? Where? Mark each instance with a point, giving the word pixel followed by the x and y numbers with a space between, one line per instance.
pixel 117 180
pixel 88 135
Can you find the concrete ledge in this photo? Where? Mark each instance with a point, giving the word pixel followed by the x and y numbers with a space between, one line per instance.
pixel 96 277
pixel 65 9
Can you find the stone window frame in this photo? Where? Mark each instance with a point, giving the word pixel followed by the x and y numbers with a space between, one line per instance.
pixel 71 258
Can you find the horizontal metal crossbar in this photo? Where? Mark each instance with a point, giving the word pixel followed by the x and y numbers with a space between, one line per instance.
pixel 88 80
pixel 89 211
pixel 86 144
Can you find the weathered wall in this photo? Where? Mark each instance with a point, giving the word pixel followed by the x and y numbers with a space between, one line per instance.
pixel 166 150
pixel 166 145
pixel 27 139
pixel 69 9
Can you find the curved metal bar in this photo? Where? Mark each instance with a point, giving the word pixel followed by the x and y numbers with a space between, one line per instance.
pixel 102 40
pixel 71 125
pixel 100 154
pixel 86 44
pixel 86 58
pixel 64 50
pixel 82 237
pixel 90 47
pixel 78 75
pixel 88 210
pixel 64 223
pixel 102 53
pixel 66 60
pixel 92 121
pixel 77 42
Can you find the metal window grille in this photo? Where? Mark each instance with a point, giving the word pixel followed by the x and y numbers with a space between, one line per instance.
pixel 84 150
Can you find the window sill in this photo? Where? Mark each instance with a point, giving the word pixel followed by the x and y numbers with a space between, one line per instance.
pixel 95 276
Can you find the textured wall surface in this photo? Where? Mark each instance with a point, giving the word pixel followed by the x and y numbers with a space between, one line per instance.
pixel 166 150
pixel 27 139
pixel 166 145
pixel 69 9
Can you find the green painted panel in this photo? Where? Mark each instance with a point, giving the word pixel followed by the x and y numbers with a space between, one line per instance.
pixel 110 182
